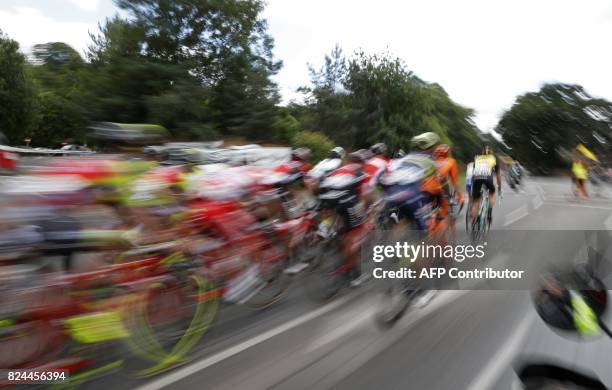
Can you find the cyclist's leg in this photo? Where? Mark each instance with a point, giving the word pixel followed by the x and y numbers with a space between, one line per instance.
pixel 491 186
pixel 475 198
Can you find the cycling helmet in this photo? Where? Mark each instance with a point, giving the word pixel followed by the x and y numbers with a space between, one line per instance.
pixel 359 156
pixel 302 154
pixel 441 151
pixel 379 148
pixel 337 152
pixel 425 141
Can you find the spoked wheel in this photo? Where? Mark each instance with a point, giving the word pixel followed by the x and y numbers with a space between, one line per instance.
pixel 325 278
pixel 30 344
pixel 394 304
pixel 478 228
pixel 396 300
pixel 167 326
pixel 274 281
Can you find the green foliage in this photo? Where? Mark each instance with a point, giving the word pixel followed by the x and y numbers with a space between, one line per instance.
pixel 59 120
pixel 16 94
pixel 317 142
pixel 558 116
pixel 183 109
pixel 203 69
pixel 60 114
pixel 285 125
pixel 224 44
pixel 373 98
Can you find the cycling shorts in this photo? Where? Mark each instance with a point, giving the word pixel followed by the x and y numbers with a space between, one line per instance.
pixel 479 182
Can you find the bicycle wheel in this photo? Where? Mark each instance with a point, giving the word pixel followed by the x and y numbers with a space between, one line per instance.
pixel 395 302
pixel 274 280
pixel 326 278
pixel 399 293
pixel 479 226
pixel 168 325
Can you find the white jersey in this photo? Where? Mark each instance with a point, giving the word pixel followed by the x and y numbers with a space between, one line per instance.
pixel 469 172
pixel 324 168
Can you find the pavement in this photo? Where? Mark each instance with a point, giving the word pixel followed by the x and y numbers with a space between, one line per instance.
pixel 462 339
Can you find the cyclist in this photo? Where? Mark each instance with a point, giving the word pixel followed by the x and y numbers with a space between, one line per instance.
pixel 296 167
pixel 412 186
pixel 283 182
pixel 373 169
pixel 514 174
pixel 448 170
pixel 469 170
pixel 580 174
pixel 324 168
pixel 485 167
pixel 342 190
pixel 413 181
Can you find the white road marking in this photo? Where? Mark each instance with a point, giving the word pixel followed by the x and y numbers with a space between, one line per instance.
pixel 515 215
pixel 186 371
pixel 503 358
pixel 540 190
pixel 344 325
pixel 537 202
pixel 390 337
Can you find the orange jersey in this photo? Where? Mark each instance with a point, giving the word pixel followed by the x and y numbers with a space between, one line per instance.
pixel 448 170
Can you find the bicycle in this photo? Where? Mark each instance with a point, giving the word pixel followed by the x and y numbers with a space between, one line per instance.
pixel 401 293
pixel 330 271
pixel 145 315
pixel 480 226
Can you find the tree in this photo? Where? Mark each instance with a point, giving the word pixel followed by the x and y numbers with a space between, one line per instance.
pixel 183 109
pixel 219 52
pixel 559 116
pixel 225 45
pixel 285 125
pixel 373 98
pixel 16 95
pixel 61 113
pixel 58 120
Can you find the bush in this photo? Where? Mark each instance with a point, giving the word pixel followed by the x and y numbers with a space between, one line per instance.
pixel 317 142
pixel 285 126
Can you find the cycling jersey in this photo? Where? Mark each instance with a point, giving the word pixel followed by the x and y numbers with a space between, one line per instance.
pixel 448 171
pixel 373 169
pixel 412 185
pixel 341 190
pixel 469 177
pixel 484 166
pixel 323 168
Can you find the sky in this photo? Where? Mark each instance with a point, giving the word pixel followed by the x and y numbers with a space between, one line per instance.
pixel 483 52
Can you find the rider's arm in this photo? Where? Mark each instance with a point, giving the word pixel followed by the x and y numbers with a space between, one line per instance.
pixel 498 177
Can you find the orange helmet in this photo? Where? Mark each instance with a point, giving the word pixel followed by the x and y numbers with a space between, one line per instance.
pixel 441 151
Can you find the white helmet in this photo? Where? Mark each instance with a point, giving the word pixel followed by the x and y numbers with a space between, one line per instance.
pixel 337 152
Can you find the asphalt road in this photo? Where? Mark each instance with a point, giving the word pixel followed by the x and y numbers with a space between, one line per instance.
pixel 460 340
